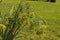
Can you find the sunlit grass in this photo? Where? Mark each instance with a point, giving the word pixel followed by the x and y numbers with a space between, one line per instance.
pixel 48 11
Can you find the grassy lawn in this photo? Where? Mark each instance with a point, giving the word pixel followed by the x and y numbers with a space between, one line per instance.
pixel 47 10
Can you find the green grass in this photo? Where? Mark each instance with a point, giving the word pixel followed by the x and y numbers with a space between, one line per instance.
pixel 47 10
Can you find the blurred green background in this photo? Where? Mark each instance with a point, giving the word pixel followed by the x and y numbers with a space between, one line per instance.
pixel 47 10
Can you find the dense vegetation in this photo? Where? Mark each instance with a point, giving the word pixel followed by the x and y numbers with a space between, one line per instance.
pixel 28 20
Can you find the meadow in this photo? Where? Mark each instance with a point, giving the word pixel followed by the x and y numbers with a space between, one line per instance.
pixel 50 12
